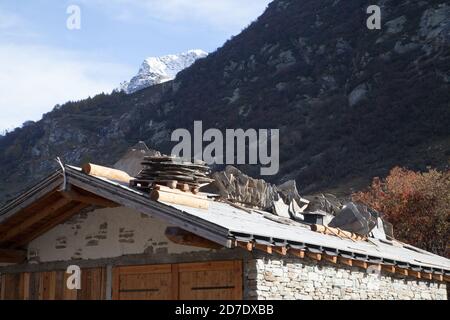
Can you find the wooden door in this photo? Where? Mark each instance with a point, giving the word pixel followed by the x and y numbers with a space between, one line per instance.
pixel 188 281
pixel 211 281
pixel 156 282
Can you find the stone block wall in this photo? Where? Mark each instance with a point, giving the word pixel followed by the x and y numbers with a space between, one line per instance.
pixel 267 278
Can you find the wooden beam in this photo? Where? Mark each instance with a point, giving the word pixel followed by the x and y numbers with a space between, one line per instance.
pixel 360 264
pixel 73 195
pixel 345 261
pixel 332 259
pixel 447 278
pixel 60 218
pixel 390 269
pixel 33 219
pixel 426 275
pixel 186 238
pixel 438 277
pixel 403 272
pixel 314 256
pixel 246 245
pixel 376 267
pixel 12 256
pixel 415 274
pixel 105 172
pixel 280 250
pixel 263 247
pixel 297 253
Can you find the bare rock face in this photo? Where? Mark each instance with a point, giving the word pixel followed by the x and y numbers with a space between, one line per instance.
pixel 350 103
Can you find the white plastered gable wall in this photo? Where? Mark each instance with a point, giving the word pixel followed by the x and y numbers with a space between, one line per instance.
pixel 104 233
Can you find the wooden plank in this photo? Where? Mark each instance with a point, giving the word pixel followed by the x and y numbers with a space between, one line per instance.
pixel 73 195
pixel 59 285
pixel 425 275
pixel 60 218
pixel 246 245
pixel 390 269
pixel 297 253
pixel 105 172
pixel 146 286
pixel 332 259
pixel 12 256
pixel 403 272
pixel 26 285
pixel 186 238
pixel 67 293
pixel 345 261
pixel 145 269
pixel 314 256
pixel 238 277
pixel 204 266
pixel 34 286
pixel 2 286
pixel 186 199
pixel 11 286
pixel 92 284
pixel 415 274
pixel 116 284
pixel 264 248
pixel 280 250
pixel 211 284
pixel 360 264
pixel 175 282
pixel 438 277
pixel 33 219
pixel 48 285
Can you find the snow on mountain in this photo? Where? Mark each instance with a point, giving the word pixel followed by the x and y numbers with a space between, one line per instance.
pixel 155 70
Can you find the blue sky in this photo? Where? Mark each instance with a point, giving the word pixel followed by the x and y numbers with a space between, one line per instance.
pixel 43 63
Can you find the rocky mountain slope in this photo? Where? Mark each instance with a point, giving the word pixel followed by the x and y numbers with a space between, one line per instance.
pixel 350 103
pixel 156 70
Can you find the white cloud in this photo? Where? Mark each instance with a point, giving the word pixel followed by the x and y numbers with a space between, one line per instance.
pixel 221 14
pixel 33 79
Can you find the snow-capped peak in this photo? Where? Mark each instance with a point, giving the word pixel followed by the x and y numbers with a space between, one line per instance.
pixel 155 70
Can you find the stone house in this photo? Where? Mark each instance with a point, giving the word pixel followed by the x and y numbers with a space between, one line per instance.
pixel 131 247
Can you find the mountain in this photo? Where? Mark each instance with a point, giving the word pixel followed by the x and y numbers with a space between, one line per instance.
pixel 155 70
pixel 350 103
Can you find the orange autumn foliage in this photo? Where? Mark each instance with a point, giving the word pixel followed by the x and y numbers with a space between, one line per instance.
pixel 417 204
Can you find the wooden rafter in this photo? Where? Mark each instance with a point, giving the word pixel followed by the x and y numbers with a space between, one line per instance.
pixel 387 268
pixel 73 195
pixel 12 256
pixel 314 256
pixel 438 277
pixel 297 253
pixel 58 219
pixel 280 250
pixel 332 259
pixel 360 264
pixel 33 219
pixel 263 247
pixel 346 261
pixel 246 245
pixel 186 238
pixel 403 272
